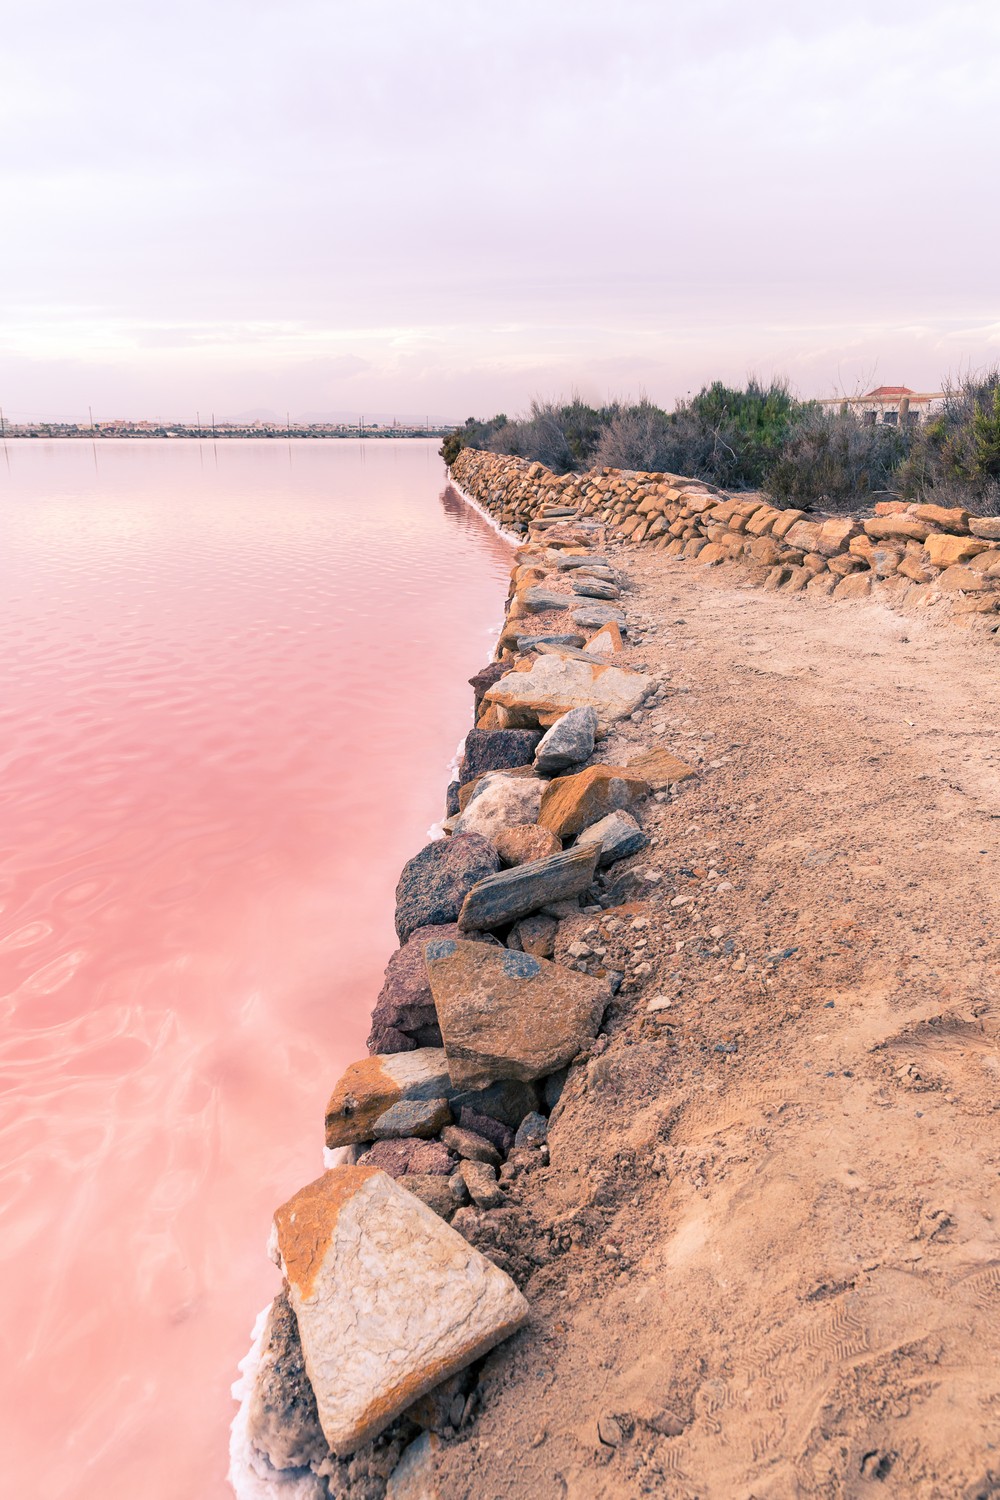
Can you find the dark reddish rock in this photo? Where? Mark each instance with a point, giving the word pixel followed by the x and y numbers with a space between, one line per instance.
pixel 404 1015
pixel 496 750
pixel 499 1135
pixel 471 1145
pixel 507 1101
pixel 485 679
pixel 435 882
pixel 283 1419
pixel 409 1154
pixel 451 807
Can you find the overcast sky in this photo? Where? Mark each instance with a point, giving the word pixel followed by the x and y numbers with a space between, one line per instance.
pixel 446 206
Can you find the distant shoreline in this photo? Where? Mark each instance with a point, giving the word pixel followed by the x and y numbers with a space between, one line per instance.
pixel 220 433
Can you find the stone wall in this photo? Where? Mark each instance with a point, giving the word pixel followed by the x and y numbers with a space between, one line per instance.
pixel 920 552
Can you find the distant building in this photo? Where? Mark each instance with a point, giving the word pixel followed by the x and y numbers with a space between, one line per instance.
pixel 889 404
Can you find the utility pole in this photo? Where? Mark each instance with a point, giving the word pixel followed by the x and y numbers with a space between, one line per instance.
pixel 288 426
pixel 3 429
pixel 213 427
pixel 90 409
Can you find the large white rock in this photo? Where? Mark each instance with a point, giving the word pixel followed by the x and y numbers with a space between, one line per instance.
pixel 389 1300
pixel 554 686
pixel 501 801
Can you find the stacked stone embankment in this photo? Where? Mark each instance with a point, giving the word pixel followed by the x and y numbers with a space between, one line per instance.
pixel 394 1285
pixel 913 553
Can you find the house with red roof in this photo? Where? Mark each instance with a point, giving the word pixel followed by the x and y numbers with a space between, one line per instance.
pixel 890 404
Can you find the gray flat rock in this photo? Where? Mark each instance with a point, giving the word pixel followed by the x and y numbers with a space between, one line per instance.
pixel 617 836
pixel 517 892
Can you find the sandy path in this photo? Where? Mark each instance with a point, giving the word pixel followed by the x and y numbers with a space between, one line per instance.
pixel 765 1252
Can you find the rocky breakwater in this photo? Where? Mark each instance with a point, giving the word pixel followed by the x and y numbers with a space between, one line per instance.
pixel 403 1264
pixel 909 554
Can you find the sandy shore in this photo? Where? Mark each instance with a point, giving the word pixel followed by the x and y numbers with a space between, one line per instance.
pixel 763 1259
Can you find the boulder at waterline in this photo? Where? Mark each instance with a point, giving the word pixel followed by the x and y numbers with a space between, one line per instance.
pixel 536 599
pixel 554 686
pixel 484 679
pixel 501 801
pixel 502 898
pixel 505 1014
pixel 496 749
pixel 370 1087
pixel 435 882
pixel 571 803
pixel 469 789
pixel 569 742
pixel 389 1300
pixel 617 836
pixel 283 1422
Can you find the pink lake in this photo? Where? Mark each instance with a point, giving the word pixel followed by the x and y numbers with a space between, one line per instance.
pixel 233 678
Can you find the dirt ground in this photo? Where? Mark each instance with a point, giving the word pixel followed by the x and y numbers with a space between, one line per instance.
pixel 764 1258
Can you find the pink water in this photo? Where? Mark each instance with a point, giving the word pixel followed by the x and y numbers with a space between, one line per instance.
pixel 232 679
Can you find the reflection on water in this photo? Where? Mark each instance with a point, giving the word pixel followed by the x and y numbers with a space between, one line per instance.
pixel 232 678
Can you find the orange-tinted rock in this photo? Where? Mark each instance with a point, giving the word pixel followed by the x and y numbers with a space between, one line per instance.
pixel 943 550
pixel 908 528
pixel 572 803
pixel 388 1299
pixel 946 518
pixel 606 641
pixel 505 1014
pixel 659 768
pixel 368 1088
pixel 518 846
pixel 966 580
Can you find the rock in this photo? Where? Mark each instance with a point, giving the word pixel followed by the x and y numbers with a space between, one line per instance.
pixel 367 1089
pixel 911 528
pixel 856 586
pixel 616 836
pixel 496 749
pixel 534 642
pixel 435 882
pixel 405 1006
pixel 834 535
pixel 660 768
pixel 509 1015
pixel 413 1478
pixel 606 642
pixel 966 580
pixel 536 599
pixel 517 892
pixel 409 1154
pixel 481 1180
pixel 944 517
pixel 593 616
pixel 987 527
pixel 485 679
pixel 495 1131
pixel 389 1300
pixel 571 803
pixel 283 1422
pixel 412 1117
pixel 595 588
pixel 535 934
pixel 521 845
pixel 608 1430
pixel 431 1188
pixel 470 789
pixel 532 1131
pixel 451 799
pixel 552 687
pixel 943 550
pixel 568 742
pixel 501 801
pixel 505 1102
pixel 471 1146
